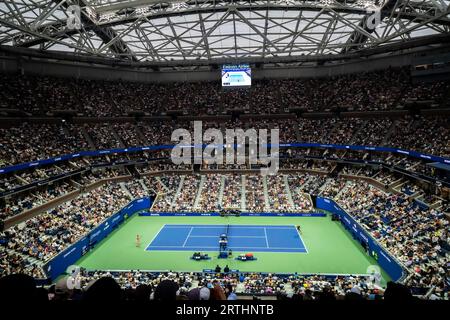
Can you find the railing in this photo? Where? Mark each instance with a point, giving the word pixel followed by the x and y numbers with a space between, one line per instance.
pixel 95 153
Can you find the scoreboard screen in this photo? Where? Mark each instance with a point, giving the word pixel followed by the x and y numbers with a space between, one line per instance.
pixel 238 75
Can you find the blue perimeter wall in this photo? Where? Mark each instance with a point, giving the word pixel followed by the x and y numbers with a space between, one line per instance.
pixel 242 214
pixel 59 264
pixel 384 259
pixel 68 257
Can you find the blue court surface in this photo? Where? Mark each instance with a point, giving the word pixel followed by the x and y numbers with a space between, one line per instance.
pixel 248 238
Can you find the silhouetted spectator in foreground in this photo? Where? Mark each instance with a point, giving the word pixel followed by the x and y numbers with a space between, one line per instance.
pixel 354 294
pixel 104 289
pixel 142 293
pixel 326 295
pixel 194 294
pixel 166 291
pixel 20 288
pixel 218 293
pixel 397 292
pixel 229 291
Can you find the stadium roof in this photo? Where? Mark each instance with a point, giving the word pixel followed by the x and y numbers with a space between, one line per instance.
pixel 203 30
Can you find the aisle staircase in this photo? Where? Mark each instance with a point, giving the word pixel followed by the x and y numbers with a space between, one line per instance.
pixel 141 136
pixel 177 194
pixel 389 133
pixel 88 138
pixel 117 137
pixel 199 191
pixel 297 132
pixel 144 186
pixel 125 189
pixel 288 191
pixel 222 187
pixel 162 184
pixel 243 198
pixel 347 184
pixel 322 187
pixel 266 193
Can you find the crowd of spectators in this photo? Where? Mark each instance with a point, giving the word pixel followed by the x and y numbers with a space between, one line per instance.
pixel 209 196
pixel 40 194
pixel 129 134
pixel 30 142
pixel 141 286
pixel 379 90
pixel 384 177
pixel 136 187
pixel 232 192
pixel 419 237
pixel 167 189
pixel 185 199
pixel 310 184
pixel 255 197
pixel 278 195
pixel 47 234
pixel 302 201
pixel 102 136
pixel 42 237
pixel 12 262
pixel 332 188
pixel 430 135
pixel 26 201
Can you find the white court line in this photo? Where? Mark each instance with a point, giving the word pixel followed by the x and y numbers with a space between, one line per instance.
pixel 283 248
pixel 301 239
pixel 215 247
pixel 233 226
pixel 190 231
pixel 228 237
pixel 160 229
pixel 265 235
pixel 234 248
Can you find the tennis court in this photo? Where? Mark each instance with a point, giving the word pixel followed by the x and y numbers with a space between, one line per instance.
pixel 330 248
pixel 255 238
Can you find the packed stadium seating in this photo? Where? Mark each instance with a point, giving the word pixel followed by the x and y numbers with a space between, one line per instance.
pixel 250 284
pixel 140 286
pixel 380 90
pixel 421 235
pixel 28 143
pixel 70 198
